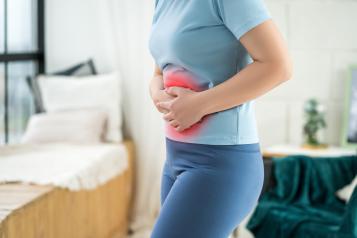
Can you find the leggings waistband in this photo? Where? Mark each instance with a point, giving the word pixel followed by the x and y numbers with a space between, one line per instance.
pixel 253 147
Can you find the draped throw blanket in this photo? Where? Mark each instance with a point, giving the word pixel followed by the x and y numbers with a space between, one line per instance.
pixel 303 202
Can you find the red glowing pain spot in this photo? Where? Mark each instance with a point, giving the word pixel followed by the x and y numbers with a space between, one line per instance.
pixel 179 77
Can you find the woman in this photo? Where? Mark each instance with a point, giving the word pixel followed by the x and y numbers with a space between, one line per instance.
pixel 213 58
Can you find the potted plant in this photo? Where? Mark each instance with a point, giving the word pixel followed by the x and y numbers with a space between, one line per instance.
pixel 314 124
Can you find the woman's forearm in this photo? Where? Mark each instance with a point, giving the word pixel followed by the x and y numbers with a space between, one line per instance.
pixel 253 81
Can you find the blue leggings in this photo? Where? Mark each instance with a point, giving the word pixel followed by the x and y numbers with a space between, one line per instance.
pixel 207 190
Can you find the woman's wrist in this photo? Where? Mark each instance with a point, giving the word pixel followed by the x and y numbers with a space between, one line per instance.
pixel 205 102
pixel 210 101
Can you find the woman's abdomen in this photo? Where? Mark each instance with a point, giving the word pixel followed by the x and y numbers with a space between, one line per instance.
pixel 176 76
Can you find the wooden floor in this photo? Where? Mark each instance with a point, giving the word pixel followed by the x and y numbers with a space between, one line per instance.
pixel 34 211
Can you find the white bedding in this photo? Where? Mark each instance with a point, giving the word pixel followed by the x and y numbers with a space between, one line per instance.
pixel 66 165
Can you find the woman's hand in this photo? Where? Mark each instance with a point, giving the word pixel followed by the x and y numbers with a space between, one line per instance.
pixel 161 96
pixel 185 109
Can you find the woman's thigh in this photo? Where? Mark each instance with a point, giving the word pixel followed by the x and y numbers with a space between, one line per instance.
pixel 166 182
pixel 214 188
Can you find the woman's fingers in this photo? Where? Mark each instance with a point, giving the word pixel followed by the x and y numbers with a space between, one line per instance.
pixel 162 110
pixel 174 123
pixel 168 116
pixel 165 104
pixel 179 128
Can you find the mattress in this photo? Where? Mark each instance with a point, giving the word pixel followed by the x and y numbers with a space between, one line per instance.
pixel 66 165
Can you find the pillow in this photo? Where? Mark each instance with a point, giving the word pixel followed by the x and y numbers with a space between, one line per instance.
pixel 345 193
pixel 36 94
pixel 83 68
pixel 101 91
pixel 78 126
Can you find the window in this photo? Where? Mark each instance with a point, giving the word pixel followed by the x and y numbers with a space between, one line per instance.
pixel 21 55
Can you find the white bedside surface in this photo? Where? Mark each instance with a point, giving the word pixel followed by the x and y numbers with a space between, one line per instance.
pixel 287 149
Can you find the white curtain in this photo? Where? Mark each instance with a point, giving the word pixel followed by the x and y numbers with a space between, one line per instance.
pixel 129 23
pixel 115 33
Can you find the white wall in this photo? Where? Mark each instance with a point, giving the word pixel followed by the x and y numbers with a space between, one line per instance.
pixel 76 31
pixel 322 38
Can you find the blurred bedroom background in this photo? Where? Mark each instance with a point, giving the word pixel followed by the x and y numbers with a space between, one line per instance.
pixel 82 145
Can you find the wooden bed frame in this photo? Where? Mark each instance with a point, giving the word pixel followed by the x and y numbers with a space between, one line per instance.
pixel 34 211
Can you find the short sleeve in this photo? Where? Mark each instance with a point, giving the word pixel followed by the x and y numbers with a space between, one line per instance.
pixel 156 2
pixel 240 16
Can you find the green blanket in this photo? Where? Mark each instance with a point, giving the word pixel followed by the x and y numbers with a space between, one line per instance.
pixel 303 202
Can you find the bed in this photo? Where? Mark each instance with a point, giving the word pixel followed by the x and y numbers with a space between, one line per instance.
pixel 48 211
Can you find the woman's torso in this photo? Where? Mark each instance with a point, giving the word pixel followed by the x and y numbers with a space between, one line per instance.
pixel 193 48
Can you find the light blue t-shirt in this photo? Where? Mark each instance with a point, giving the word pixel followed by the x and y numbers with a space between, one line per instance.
pixel 195 44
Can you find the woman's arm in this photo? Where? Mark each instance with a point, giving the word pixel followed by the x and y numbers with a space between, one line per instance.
pixel 271 66
pixel 156 83
pixel 156 89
